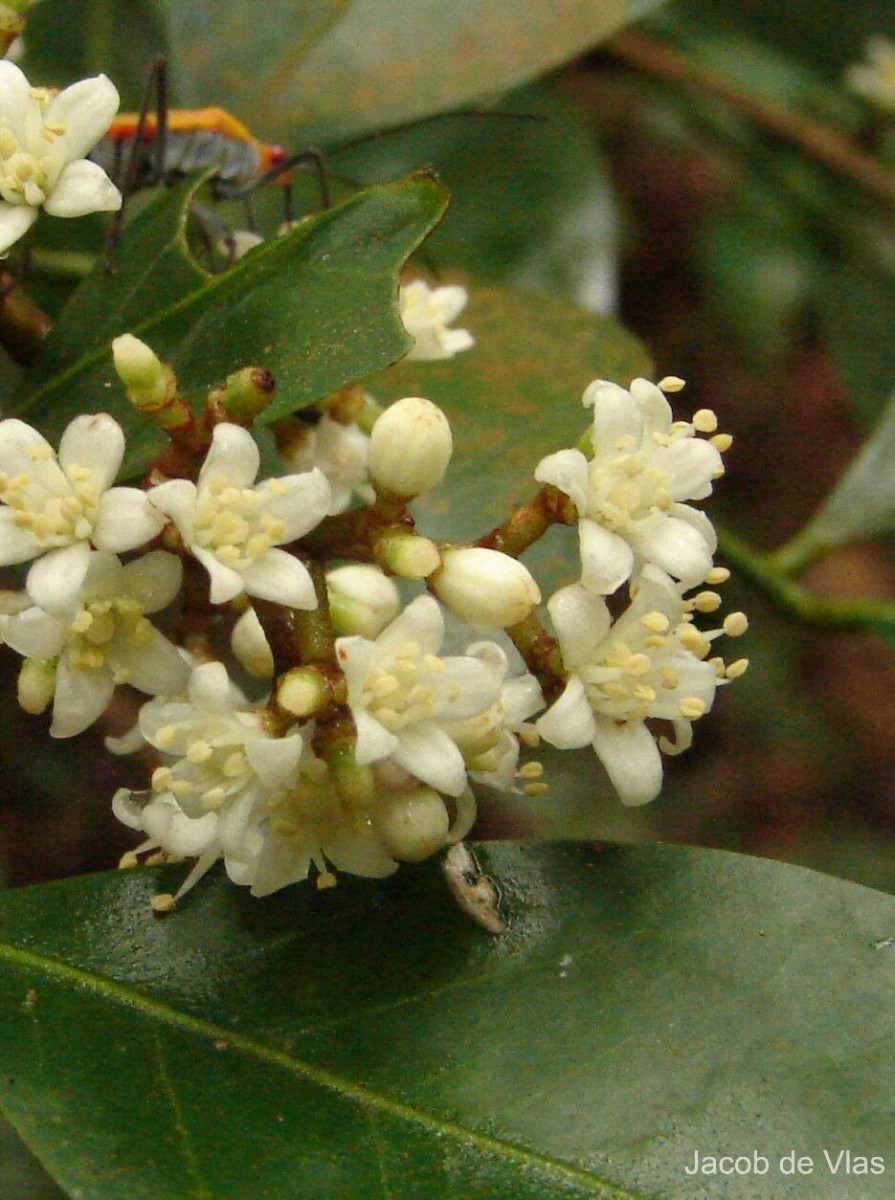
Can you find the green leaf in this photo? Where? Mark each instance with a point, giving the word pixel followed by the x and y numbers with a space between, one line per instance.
pixel 317 307
pixel 529 195
pixel 339 69
pixel 646 1003
pixel 512 399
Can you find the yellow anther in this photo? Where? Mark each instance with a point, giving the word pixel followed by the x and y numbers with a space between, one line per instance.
pixel 536 789
pixel 705 421
pixel 531 770
pixel 639 664
pixel 643 692
pixel 128 861
pixel 433 662
pixel 736 624
pixel 717 575
pixel 199 751
pixel 529 737
pixel 737 668
pixel 670 678
pixel 671 383
pixel 161 779
pixel 722 442
pixel 693 708
pixel 655 622
pixel 707 602
pixel 162 903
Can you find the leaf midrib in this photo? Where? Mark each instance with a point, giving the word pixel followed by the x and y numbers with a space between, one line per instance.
pixel 128 996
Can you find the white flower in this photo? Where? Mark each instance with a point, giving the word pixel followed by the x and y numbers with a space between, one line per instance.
pixel 224 766
pixel 875 78
pixel 43 142
pixel 250 646
pixel 403 696
pixel 342 454
pixel 233 528
pixel 629 494
pixel 57 506
pixel 103 640
pixel 426 313
pixel 489 741
pixel 649 663
pixel 308 823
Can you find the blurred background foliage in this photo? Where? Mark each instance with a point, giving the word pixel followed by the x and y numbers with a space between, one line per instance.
pixel 650 176
pixel 667 174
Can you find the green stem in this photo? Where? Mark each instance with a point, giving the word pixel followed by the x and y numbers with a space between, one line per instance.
pixel 789 595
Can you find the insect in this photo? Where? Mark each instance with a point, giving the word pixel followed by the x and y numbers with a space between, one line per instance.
pixel 475 892
pixel 188 140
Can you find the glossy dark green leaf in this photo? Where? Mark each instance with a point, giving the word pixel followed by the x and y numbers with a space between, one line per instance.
pixel 645 1004
pixel 512 399
pixel 339 69
pixel 529 195
pixel 318 307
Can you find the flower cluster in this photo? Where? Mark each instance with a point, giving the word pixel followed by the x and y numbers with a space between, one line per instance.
pixel 354 739
pixel 627 495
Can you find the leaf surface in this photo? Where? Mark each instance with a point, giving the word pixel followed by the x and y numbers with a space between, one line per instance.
pixel 370 1041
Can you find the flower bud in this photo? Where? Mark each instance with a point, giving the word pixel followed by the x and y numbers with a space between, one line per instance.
pixel 150 383
pixel 485 588
pixel 410 448
pixel 302 691
pixel 243 395
pixel 37 685
pixel 413 824
pixel 361 600
pixel 407 554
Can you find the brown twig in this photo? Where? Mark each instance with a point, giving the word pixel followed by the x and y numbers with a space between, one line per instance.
pixel 818 141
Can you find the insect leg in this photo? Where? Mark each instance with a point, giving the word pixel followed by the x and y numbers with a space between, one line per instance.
pixel 157 87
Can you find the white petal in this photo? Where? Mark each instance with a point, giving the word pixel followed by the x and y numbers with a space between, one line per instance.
pixel 307 503
pixel 177 500
pixel 360 853
pixel 83 187
pixel 126 520
pixel 155 667
pixel 567 470
pixel 86 109
pixel 153 580
pixel 280 577
pixel 17 545
pixel 226 583
pixel 15 96
pixel 421 622
pixel 606 559
pixel 631 758
pixel 25 451
pixel 81 697
pixel 15 221
pixel 55 581
pixel 432 756
pixel 233 458
pixel 374 742
pixel 675 546
pixel 569 722
pixel 274 760
pixel 35 634
pixel 95 442
pixel 209 687
pixel 521 698
pixel 617 416
pixel 581 620
pixel 694 463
